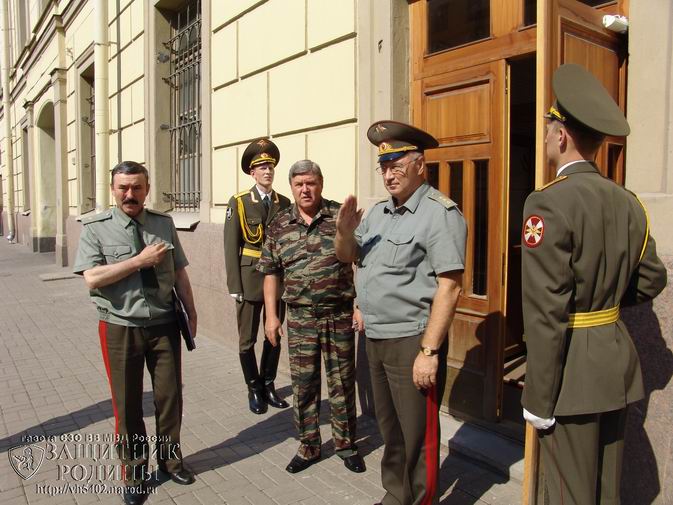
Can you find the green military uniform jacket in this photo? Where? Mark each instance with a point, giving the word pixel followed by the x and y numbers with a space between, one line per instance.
pixel 244 234
pixel 585 248
pixel 108 238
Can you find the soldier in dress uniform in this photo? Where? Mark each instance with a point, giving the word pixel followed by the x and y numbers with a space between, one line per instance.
pixel 587 251
pixel 248 214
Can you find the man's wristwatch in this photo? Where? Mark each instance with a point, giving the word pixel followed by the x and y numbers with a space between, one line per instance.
pixel 429 352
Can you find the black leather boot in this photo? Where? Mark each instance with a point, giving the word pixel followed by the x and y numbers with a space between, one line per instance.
pixel 255 384
pixel 269 367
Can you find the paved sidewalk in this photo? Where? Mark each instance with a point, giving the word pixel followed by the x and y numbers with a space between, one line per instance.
pixel 53 388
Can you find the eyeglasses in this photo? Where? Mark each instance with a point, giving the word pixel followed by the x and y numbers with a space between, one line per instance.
pixel 395 168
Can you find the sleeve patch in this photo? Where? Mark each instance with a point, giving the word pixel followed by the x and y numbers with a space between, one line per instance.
pixel 229 213
pixel 533 231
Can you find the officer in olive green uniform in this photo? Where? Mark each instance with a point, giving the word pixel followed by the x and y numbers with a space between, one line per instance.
pixel 244 228
pixel 586 253
pixel 131 259
pixel 410 253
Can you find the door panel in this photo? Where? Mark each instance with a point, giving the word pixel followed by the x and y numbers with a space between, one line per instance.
pixel 465 110
pixel 571 32
pixel 470 102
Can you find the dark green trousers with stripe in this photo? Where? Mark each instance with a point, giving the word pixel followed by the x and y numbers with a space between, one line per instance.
pixel 126 351
pixel 408 420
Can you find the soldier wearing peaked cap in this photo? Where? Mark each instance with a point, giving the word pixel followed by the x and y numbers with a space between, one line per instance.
pixel 247 217
pixel 410 253
pixel 587 252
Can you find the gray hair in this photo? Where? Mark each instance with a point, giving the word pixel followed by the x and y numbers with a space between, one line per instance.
pixel 305 167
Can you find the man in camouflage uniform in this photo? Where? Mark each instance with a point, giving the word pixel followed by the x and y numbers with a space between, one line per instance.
pixel 247 217
pixel 299 250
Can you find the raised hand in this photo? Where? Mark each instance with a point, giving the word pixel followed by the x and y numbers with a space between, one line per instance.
pixel 349 216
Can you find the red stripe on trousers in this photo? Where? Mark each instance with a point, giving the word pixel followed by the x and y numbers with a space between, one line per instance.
pixel 102 333
pixel 431 444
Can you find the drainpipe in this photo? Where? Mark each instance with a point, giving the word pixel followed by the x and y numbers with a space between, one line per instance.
pixel 101 106
pixel 9 155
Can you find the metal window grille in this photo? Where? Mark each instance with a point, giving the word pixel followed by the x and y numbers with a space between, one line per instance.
pixel 185 103
pixel 91 123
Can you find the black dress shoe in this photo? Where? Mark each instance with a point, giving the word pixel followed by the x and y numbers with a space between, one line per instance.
pixel 183 477
pixel 355 463
pixel 256 401
pixel 135 495
pixel 272 397
pixel 298 464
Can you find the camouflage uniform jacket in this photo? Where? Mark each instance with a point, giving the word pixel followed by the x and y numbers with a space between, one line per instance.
pixel 304 256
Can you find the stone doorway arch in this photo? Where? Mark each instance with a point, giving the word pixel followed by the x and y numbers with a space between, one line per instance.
pixel 44 237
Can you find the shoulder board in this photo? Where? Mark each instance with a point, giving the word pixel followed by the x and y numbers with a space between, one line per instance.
pixel 441 198
pixel 156 212
pixel 102 216
pixel 551 183
pixel 384 200
pixel 242 193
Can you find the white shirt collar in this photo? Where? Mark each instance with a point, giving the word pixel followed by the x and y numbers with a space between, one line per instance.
pixel 261 192
pixel 558 172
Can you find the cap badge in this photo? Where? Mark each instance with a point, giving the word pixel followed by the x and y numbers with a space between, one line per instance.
pixel 533 231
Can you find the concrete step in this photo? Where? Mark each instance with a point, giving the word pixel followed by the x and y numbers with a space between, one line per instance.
pixel 500 454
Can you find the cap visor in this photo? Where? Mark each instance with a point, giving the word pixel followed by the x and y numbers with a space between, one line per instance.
pixel 391 156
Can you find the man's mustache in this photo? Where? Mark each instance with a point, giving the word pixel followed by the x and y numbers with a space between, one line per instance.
pixel 131 201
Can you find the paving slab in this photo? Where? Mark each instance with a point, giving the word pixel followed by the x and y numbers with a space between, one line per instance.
pixel 55 397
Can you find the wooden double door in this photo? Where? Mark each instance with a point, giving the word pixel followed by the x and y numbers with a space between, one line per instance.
pixel 484 102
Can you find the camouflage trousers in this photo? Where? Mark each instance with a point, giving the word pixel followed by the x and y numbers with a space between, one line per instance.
pixel 330 331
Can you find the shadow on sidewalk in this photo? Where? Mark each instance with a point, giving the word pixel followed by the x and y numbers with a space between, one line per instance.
pixel 467 484
pixel 272 431
pixel 57 426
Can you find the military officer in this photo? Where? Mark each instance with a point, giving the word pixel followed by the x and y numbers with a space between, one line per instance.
pixel 410 253
pixel 587 252
pixel 131 259
pixel 248 214
pixel 319 292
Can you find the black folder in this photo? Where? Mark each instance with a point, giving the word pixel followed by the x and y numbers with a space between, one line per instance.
pixel 183 322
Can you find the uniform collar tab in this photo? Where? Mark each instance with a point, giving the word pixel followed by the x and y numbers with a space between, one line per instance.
pixel 412 203
pixel 126 219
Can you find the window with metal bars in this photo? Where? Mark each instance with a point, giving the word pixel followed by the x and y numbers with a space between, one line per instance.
pixel 91 136
pixel 185 107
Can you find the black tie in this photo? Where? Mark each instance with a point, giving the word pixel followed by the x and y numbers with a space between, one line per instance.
pixel 265 201
pixel 148 275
